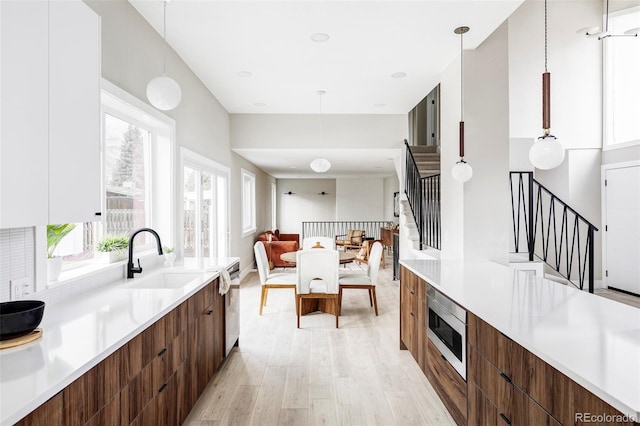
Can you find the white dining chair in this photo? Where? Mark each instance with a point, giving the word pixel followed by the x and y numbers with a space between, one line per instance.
pixel 268 279
pixel 317 278
pixel 364 281
pixel 317 242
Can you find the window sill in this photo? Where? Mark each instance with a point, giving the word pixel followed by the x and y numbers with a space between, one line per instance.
pixel 94 268
pixel 249 232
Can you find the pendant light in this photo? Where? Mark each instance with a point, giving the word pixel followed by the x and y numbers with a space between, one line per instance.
pixel 602 34
pixel 320 165
pixel 462 171
pixel 163 92
pixel 546 153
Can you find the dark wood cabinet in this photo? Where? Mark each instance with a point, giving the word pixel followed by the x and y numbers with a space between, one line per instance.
pixel 448 384
pixel 49 413
pixel 524 389
pixel 408 312
pixel 155 378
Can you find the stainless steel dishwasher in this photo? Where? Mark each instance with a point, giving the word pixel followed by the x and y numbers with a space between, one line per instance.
pixel 232 309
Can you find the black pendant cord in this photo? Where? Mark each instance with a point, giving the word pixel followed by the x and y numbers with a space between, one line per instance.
pixel 545 35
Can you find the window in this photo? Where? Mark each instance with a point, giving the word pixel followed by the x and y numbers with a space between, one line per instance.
pixel 273 206
pixel 205 207
pixel 248 203
pixel 621 83
pixel 137 184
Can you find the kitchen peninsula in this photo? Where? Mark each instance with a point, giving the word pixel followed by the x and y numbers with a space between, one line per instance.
pixel 536 350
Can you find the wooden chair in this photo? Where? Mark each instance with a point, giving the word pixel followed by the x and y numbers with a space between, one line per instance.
pixel 365 252
pixel 364 281
pixel 317 278
pixel 269 279
pixel 351 240
pixel 312 242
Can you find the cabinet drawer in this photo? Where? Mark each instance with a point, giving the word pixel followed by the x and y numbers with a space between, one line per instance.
pixel 448 384
pixel 513 405
pixel 508 356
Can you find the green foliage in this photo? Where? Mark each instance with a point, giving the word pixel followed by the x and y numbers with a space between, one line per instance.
pixel 167 250
pixel 113 243
pixel 55 234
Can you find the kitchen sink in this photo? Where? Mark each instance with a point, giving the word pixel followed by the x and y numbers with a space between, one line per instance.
pixel 165 280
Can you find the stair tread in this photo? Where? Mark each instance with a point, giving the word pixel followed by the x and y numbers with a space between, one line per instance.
pixel 424 148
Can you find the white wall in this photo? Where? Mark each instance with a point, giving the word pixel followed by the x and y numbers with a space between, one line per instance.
pixel 391 185
pixel 306 205
pixel 360 199
pixel 575 64
pixel 131 56
pixel 301 130
pixel 475 214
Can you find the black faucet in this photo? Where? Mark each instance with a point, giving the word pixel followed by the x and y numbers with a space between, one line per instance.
pixel 137 269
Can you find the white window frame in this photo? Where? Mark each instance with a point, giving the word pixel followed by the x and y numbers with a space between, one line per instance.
pixel 274 206
pixel 161 182
pixel 248 186
pixel 607 95
pixel 191 159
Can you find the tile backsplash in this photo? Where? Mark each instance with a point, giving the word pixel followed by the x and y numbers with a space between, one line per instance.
pixel 17 259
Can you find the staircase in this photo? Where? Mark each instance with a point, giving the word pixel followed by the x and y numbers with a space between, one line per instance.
pixel 427 159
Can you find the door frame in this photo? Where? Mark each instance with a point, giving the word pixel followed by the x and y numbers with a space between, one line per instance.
pixel 604 169
pixel 188 157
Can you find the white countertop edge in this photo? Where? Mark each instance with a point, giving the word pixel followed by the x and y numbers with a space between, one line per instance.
pixel 209 273
pixel 615 402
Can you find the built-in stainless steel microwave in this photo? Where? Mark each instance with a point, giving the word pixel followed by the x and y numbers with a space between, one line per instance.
pixel 447 329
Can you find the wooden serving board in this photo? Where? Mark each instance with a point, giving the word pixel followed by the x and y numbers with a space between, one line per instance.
pixel 21 340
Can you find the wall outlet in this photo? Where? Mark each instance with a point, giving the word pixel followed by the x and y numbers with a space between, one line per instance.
pixel 18 288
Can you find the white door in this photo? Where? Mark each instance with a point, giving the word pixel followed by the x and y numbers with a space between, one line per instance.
pixel 205 207
pixel 622 228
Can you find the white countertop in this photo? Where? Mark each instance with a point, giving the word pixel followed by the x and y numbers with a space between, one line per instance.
pixel 81 332
pixel 593 340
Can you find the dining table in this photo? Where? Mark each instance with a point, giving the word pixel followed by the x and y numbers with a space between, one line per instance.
pixel 308 306
pixel 345 256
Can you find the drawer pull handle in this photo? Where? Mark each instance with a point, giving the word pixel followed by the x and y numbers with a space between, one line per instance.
pixel 505 377
pixel 443 357
pixel 162 351
pixel 505 418
pixel 97 214
pixel 209 312
pixel 412 292
pixel 412 314
pixel 162 388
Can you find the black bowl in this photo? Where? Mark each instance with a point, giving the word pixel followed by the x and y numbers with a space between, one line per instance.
pixel 19 317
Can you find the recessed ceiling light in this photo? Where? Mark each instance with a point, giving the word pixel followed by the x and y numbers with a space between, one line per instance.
pixel 377 167
pixel 319 37
pixel 379 105
pixel 260 104
pixel 398 75
pixel 244 74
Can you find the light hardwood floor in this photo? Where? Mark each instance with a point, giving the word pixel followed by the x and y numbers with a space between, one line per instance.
pixel 319 375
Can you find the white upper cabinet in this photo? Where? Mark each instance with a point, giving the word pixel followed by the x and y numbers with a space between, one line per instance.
pixel 49 112
pixel 23 113
pixel 74 112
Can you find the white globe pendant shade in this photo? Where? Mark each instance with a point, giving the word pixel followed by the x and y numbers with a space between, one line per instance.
pixel 164 93
pixel 546 153
pixel 320 165
pixel 462 171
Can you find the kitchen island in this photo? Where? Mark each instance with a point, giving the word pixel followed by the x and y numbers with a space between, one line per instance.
pixel 88 331
pixel 592 341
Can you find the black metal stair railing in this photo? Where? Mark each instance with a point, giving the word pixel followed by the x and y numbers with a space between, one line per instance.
pixel 423 195
pixel 545 227
pixel 330 229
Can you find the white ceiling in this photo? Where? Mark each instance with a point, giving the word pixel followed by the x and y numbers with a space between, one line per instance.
pixel 369 41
